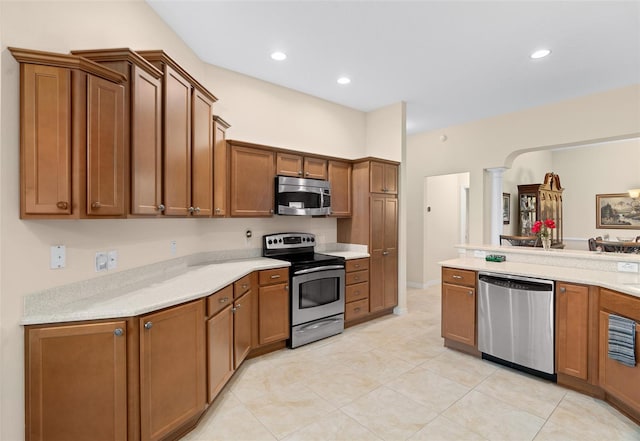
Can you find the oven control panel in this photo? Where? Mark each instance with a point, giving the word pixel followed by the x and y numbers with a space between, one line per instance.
pixel 288 241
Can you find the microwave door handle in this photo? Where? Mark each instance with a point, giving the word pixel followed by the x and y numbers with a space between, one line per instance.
pixel 320 268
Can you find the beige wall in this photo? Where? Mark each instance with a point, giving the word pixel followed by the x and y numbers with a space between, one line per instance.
pixel 495 142
pixel 258 111
pixel 385 132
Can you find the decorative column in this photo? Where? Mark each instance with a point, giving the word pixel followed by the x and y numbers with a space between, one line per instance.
pixel 496 203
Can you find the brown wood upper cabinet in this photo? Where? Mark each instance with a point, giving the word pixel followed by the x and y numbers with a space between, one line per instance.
pixel 220 167
pixel 143 112
pixel 72 143
pixel 187 139
pixel 289 164
pixel 383 178
pixel 252 181
pixel 339 173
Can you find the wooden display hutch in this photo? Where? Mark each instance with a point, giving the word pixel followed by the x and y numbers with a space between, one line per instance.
pixel 540 202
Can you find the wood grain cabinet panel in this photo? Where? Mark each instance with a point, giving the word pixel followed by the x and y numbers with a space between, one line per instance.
pixel 202 155
pixel 315 168
pixel 242 323
pixel 339 175
pixel 572 326
pixel 289 164
pixel 45 163
pixel 220 167
pixel 273 311
pixel 220 351
pixel 383 178
pixel 252 182
pixel 172 369
pixel 384 253
pixel 105 148
pixel 76 382
pixel 459 313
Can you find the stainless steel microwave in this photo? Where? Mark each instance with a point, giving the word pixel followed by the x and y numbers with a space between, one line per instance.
pixel 299 196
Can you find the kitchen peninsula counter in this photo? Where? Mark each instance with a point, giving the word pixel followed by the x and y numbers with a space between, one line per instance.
pixel 574 266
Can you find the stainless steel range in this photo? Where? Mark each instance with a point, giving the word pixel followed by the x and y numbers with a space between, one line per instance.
pixel 317 284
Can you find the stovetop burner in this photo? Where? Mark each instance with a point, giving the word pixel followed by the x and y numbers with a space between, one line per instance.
pixel 297 248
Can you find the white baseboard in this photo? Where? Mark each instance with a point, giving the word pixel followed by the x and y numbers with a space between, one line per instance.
pixel 417 285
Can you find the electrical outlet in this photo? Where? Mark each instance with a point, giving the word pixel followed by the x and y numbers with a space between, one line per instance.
pixel 102 261
pixel 113 260
pixel 58 257
pixel 173 248
pixel 479 253
pixel 628 267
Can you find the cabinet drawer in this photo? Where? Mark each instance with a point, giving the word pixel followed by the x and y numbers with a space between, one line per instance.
pixel 459 277
pixel 219 299
pixel 278 275
pixel 354 310
pixel 358 291
pixel 625 305
pixel 357 265
pixel 357 277
pixel 241 286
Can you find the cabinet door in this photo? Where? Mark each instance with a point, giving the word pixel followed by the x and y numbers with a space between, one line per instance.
pixel 383 178
pixel 177 144
pixel 172 369
pixel 220 167
pixel 105 148
pixel 45 163
pixel 273 306
pixel 376 250
pixel 617 379
pixel 146 143
pixel 390 252
pixel 315 168
pixel 572 312
pixel 459 313
pixel 220 354
pixel 76 382
pixel 252 182
pixel 340 179
pixel 242 327
pixel 289 165
pixel 202 155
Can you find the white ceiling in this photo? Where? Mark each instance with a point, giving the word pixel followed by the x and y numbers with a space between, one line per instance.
pixel 450 61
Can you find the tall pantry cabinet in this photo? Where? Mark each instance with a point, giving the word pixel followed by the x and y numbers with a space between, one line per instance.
pixel 374 222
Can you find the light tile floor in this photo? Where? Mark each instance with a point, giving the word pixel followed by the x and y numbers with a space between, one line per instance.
pixel 391 379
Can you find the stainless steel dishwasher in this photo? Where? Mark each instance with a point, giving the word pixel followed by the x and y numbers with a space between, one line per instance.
pixel 516 322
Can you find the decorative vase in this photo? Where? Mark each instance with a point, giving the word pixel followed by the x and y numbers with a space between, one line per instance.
pixel 546 243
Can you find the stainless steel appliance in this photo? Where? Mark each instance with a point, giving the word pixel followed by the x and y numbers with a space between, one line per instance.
pixel 317 286
pixel 516 322
pixel 299 196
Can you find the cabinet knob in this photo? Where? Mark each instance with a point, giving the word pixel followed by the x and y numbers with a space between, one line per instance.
pixel 62 205
pixel 218 210
pixel 306 174
pixel 148 325
pixel 118 332
pixel 96 205
pixel 469 293
pixel 299 172
pixel 385 253
pixel 271 211
pixel 286 287
pixel 191 209
pixel 197 209
pixel 160 207
pixel 563 289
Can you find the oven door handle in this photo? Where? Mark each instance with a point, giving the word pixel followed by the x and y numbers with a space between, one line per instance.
pixel 320 268
pixel 318 324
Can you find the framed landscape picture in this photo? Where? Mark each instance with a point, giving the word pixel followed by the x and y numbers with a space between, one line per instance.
pixel 617 210
pixel 506 208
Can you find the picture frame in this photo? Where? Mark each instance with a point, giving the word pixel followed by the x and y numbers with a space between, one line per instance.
pixel 617 210
pixel 506 208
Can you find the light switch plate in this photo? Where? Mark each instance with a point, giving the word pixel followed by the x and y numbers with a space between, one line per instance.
pixel 628 267
pixel 173 248
pixel 58 257
pixel 102 261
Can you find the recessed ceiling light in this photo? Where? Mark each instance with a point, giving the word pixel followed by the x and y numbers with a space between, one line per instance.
pixel 540 53
pixel 279 56
pixel 344 80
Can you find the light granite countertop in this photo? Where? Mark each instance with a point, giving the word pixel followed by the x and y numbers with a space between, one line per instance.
pixel 598 269
pixel 146 289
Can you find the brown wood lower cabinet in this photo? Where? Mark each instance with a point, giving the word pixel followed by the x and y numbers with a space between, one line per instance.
pixel 76 382
pixel 572 326
pixel 459 306
pixel 273 306
pixel 242 327
pixel 357 289
pixel 172 369
pixel 220 366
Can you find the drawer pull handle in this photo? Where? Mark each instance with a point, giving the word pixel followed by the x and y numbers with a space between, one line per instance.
pixel 356 293
pixel 455 276
pixel 357 265
pixel 356 309
pixel 275 276
pixel 244 286
pixel 224 300
pixel 356 278
pixel 385 253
